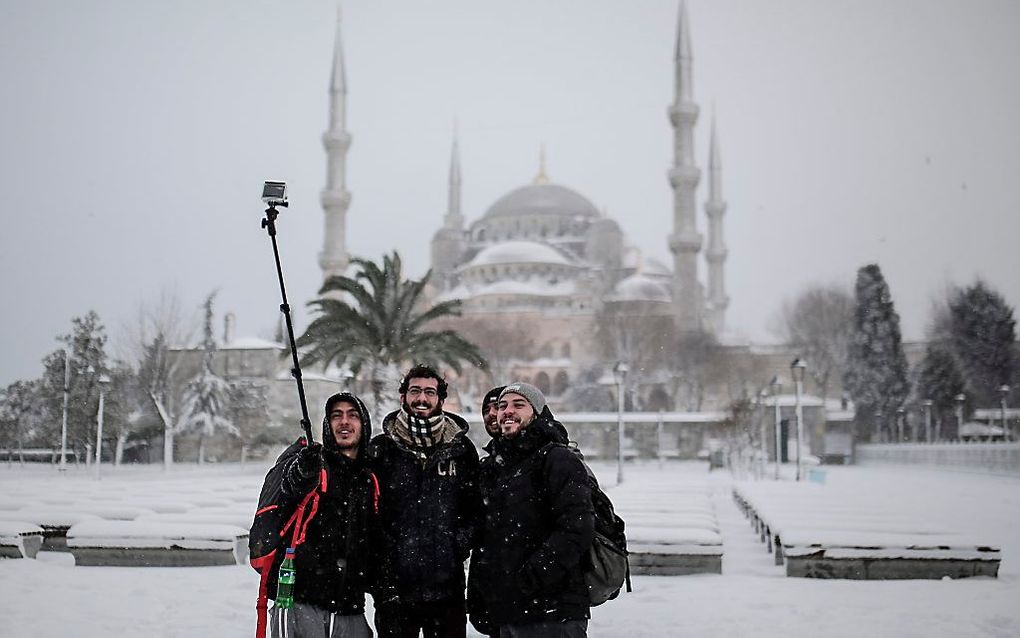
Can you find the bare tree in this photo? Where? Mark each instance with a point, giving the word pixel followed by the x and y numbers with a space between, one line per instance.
pixel 819 322
pixel 158 390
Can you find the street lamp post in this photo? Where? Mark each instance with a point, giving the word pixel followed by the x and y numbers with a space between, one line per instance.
pixel 104 383
pixel 926 404
pixel 797 368
pixel 1003 392
pixel 960 398
pixel 620 374
pixel 763 430
pixel 63 419
pixel 777 386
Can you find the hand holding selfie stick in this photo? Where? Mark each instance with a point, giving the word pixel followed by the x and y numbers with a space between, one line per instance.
pixel 275 194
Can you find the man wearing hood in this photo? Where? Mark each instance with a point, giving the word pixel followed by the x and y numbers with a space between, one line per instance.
pixel 427 468
pixel 538 524
pixel 333 563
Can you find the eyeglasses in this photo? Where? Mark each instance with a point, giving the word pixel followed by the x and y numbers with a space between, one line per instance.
pixel 415 391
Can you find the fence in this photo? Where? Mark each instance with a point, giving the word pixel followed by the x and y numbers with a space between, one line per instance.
pixel 995 458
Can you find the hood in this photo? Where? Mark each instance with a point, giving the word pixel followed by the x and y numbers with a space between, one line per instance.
pixel 328 442
pixel 561 435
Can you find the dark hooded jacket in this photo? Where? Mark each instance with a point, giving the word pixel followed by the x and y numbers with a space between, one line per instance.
pixel 538 526
pixel 338 558
pixel 429 508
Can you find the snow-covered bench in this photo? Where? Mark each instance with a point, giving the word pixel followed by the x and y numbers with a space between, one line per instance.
pixel 859 555
pixel 818 534
pixel 674 551
pixel 156 544
pixel 54 521
pixel 671 529
pixel 19 539
pixel 217 517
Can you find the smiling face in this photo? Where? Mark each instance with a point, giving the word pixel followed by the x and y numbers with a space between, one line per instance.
pixel 491 418
pixel 422 397
pixel 345 423
pixel 515 413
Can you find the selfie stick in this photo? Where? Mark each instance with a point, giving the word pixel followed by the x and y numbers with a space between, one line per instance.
pixel 269 223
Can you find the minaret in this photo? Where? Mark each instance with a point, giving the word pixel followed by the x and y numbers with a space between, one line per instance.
pixel 685 242
pixel 715 208
pixel 448 244
pixel 454 219
pixel 335 198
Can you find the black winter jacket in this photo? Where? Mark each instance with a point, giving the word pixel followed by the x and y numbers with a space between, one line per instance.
pixel 429 511
pixel 538 526
pixel 335 564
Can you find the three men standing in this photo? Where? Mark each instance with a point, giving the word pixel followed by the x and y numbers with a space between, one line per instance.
pixel 429 508
pixel 400 515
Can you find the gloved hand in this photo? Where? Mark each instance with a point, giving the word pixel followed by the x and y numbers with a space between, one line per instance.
pixel 309 460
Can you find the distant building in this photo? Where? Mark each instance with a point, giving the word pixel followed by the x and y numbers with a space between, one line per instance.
pixel 545 256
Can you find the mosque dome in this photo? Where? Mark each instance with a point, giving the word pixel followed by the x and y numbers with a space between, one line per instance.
pixel 542 199
pixel 639 287
pixel 518 252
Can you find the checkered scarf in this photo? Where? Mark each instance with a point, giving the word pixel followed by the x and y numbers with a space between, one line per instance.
pixel 423 433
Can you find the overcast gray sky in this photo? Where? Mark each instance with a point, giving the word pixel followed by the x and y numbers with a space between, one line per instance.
pixel 135 137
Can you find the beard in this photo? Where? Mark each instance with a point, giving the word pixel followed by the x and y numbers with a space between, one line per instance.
pixel 432 411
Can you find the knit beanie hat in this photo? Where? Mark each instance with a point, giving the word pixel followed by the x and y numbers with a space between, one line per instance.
pixel 529 392
pixel 490 396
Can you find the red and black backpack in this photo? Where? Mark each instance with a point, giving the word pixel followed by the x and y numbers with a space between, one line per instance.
pixel 279 523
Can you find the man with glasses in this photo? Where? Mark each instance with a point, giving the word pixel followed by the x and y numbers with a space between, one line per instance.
pixel 429 506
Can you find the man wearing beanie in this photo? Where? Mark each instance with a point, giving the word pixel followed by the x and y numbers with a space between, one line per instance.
pixel 429 508
pixel 538 525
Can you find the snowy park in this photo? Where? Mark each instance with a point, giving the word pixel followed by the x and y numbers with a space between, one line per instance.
pixel 49 595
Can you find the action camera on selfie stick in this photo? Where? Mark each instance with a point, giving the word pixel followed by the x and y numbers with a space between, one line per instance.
pixel 275 194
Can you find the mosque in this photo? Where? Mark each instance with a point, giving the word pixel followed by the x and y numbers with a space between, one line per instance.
pixel 544 255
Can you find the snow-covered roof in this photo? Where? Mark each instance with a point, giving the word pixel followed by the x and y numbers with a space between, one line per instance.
pixel 542 199
pixel 974 428
pixel 518 252
pixel 252 343
pixel 639 287
pixel 530 287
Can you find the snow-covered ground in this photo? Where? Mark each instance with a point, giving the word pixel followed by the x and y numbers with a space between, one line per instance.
pixel 752 597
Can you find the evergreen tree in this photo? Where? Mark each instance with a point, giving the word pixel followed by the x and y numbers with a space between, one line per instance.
pixel 207 395
pixel 21 415
pixel 876 375
pixel 374 321
pixel 983 338
pixel 940 381
pixel 86 353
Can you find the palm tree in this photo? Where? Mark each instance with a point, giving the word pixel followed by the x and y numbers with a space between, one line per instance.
pixel 374 320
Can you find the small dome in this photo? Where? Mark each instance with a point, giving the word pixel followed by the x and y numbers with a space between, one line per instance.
pixel 518 252
pixel 639 288
pixel 542 199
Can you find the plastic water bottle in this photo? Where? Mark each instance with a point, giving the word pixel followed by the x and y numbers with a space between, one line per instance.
pixel 285 581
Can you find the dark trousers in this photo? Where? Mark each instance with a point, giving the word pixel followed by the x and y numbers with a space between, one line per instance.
pixel 444 619
pixel 550 629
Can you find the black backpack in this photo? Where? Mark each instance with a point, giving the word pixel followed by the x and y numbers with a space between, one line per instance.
pixel 606 568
